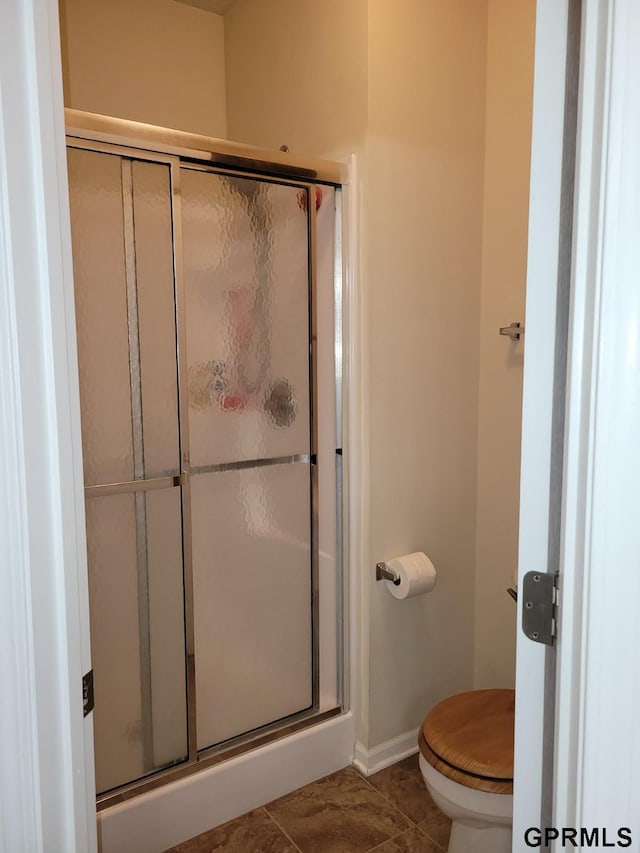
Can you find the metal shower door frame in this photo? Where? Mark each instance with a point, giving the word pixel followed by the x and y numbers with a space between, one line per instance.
pixel 177 167
pixel 257 169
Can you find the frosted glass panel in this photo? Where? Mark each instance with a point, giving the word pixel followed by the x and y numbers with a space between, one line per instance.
pixel 97 224
pixel 246 323
pixel 156 317
pixel 247 289
pixel 165 583
pixel 137 634
pixel 123 271
pixel 252 583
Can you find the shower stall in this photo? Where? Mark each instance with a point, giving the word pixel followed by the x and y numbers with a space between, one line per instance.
pixel 208 310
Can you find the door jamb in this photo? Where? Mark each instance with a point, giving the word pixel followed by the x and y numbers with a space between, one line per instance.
pixel 46 746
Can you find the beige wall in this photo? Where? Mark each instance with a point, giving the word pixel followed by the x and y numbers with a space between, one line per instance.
pixel 506 194
pixel 155 61
pixel 297 75
pixel 421 274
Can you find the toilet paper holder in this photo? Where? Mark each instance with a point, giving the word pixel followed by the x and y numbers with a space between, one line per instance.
pixel 384 573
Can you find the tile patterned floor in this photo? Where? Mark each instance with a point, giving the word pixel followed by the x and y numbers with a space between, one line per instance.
pixel 390 812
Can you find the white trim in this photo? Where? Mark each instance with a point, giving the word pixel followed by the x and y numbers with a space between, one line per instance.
pixel 45 746
pixel 356 451
pixel 391 751
pixel 173 813
pixel 579 442
pixel 598 749
pixel 20 828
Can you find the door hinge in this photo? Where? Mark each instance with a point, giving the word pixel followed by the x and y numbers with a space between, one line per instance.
pixel 540 606
pixel 87 693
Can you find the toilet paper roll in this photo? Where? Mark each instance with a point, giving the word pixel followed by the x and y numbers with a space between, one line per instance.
pixel 417 575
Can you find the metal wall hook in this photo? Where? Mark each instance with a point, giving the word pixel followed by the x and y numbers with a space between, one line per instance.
pixel 384 573
pixel 514 331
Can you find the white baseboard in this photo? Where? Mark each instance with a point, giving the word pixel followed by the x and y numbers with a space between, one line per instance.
pixel 175 812
pixel 370 761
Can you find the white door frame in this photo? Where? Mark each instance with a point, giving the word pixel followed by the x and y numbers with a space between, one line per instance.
pixel 46 748
pixel 597 773
pixel 596 768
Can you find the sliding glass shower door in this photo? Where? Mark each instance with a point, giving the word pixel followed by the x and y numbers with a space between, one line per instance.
pixel 198 379
pixel 125 317
pixel 246 276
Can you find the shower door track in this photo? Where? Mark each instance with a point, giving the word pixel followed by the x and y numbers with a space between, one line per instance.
pixel 147 139
pixel 216 755
pixel 177 150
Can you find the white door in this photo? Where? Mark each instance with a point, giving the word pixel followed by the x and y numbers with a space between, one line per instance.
pixel 547 309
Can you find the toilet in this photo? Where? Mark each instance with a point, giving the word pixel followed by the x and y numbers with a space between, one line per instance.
pixel 466 759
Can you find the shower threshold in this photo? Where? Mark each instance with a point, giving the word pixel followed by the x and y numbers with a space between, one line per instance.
pixel 217 754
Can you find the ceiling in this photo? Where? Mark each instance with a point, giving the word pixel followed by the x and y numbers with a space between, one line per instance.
pixel 217 6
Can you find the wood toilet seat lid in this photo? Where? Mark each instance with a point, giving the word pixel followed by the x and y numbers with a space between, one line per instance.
pixel 473 732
